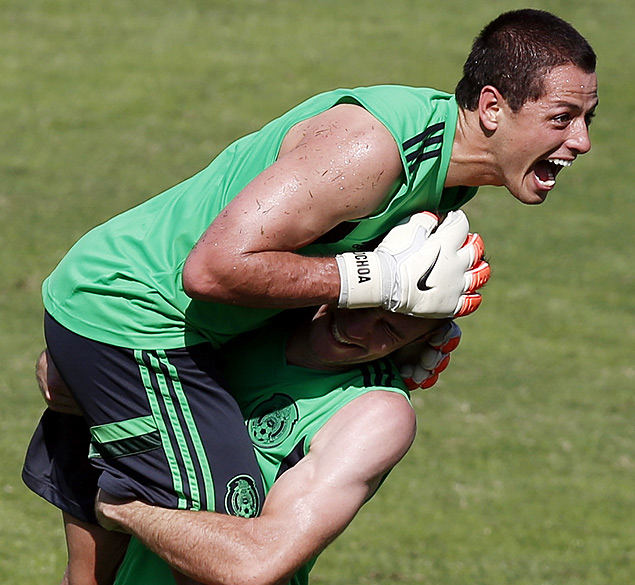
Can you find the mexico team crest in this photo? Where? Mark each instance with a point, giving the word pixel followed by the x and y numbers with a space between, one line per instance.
pixel 272 421
pixel 242 498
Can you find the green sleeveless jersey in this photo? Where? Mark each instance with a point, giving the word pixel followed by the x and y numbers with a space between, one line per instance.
pixel 284 406
pixel 121 283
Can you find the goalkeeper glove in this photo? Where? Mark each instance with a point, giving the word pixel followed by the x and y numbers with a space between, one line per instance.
pixel 421 268
pixel 421 364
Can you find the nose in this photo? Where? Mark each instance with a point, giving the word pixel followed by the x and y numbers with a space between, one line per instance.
pixel 579 140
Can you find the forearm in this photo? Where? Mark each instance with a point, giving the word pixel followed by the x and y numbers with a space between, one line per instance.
pixel 213 549
pixel 278 280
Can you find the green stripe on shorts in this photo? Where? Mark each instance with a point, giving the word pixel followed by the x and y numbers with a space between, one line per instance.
pixel 171 412
pixel 128 437
pixel 199 449
pixel 177 481
pixel 178 430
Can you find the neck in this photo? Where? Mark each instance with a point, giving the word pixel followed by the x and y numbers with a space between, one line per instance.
pixel 472 163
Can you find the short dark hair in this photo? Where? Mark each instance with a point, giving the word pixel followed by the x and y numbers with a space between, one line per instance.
pixel 515 51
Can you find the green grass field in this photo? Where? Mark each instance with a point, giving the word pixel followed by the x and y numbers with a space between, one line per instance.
pixel 523 471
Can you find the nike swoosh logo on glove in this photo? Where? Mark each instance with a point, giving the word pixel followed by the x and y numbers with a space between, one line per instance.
pixel 422 283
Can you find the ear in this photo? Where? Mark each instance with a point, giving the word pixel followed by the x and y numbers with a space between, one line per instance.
pixel 490 104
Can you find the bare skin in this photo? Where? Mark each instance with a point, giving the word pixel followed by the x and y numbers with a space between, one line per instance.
pixel 340 338
pixel 97 553
pixel 339 165
pixel 346 461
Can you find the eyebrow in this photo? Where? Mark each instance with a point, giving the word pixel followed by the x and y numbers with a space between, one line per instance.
pixel 576 107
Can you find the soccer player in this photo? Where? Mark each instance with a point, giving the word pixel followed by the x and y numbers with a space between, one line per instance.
pixel 289 216
pixel 326 425
pixel 325 429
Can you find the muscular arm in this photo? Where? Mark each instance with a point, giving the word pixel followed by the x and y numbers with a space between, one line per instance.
pixel 307 508
pixel 337 166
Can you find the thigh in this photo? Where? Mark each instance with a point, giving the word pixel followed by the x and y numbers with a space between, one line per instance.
pixel 163 428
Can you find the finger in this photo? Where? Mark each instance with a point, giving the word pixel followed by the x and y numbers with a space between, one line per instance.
pixel 417 229
pixel 411 384
pixel 420 374
pixel 472 250
pixel 451 345
pixel 426 219
pixel 453 229
pixel 429 382
pixel 430 358
pixel 477 277
pixel 441 334
pixel 468 304
pixel 446 338
pixel 443 364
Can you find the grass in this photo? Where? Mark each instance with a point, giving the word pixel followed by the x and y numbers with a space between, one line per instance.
pixel 523 469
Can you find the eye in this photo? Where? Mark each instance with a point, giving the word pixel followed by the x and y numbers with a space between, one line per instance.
pixel 589 118
pixel 562 119
pixel 390 330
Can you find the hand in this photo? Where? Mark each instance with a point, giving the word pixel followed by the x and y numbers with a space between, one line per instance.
pixel 421 268
pixel 420 364
pixel 55 392
pixel 435 274
pixel 108 508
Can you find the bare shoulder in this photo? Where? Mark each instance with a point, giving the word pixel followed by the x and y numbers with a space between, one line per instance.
pixel 391 412
pixel 341 122
pixel 374 430
pixel 347 157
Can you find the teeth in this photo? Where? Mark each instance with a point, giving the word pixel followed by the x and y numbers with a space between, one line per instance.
pixel 338 336
pixel 552 170
pixel 561 162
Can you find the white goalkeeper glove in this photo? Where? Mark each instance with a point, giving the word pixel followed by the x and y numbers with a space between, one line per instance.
pixel 420 364
pixel 417 270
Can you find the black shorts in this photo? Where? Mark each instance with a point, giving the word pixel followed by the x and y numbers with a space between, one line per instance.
pixel 158 427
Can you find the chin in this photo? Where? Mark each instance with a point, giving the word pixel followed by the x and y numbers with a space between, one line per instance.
pixel 535 199
pixel 529 196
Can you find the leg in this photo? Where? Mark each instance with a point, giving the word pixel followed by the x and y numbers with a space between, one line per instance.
pixel 94 554
pixel 57 468
pixel 163 429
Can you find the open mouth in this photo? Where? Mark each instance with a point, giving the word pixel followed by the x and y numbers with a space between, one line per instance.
pixel 337 335
pixel 547 170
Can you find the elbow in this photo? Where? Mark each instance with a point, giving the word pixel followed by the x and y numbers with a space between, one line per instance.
pixel 192 281
pixel 262 562
pixel 200 283
pixel 261 576
pixel 249 572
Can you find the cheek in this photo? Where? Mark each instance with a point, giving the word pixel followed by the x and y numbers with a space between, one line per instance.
pixel 319 341
pixel 381 349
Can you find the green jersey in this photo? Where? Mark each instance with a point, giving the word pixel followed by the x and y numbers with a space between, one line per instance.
pixel 122 282
pixel 284 406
